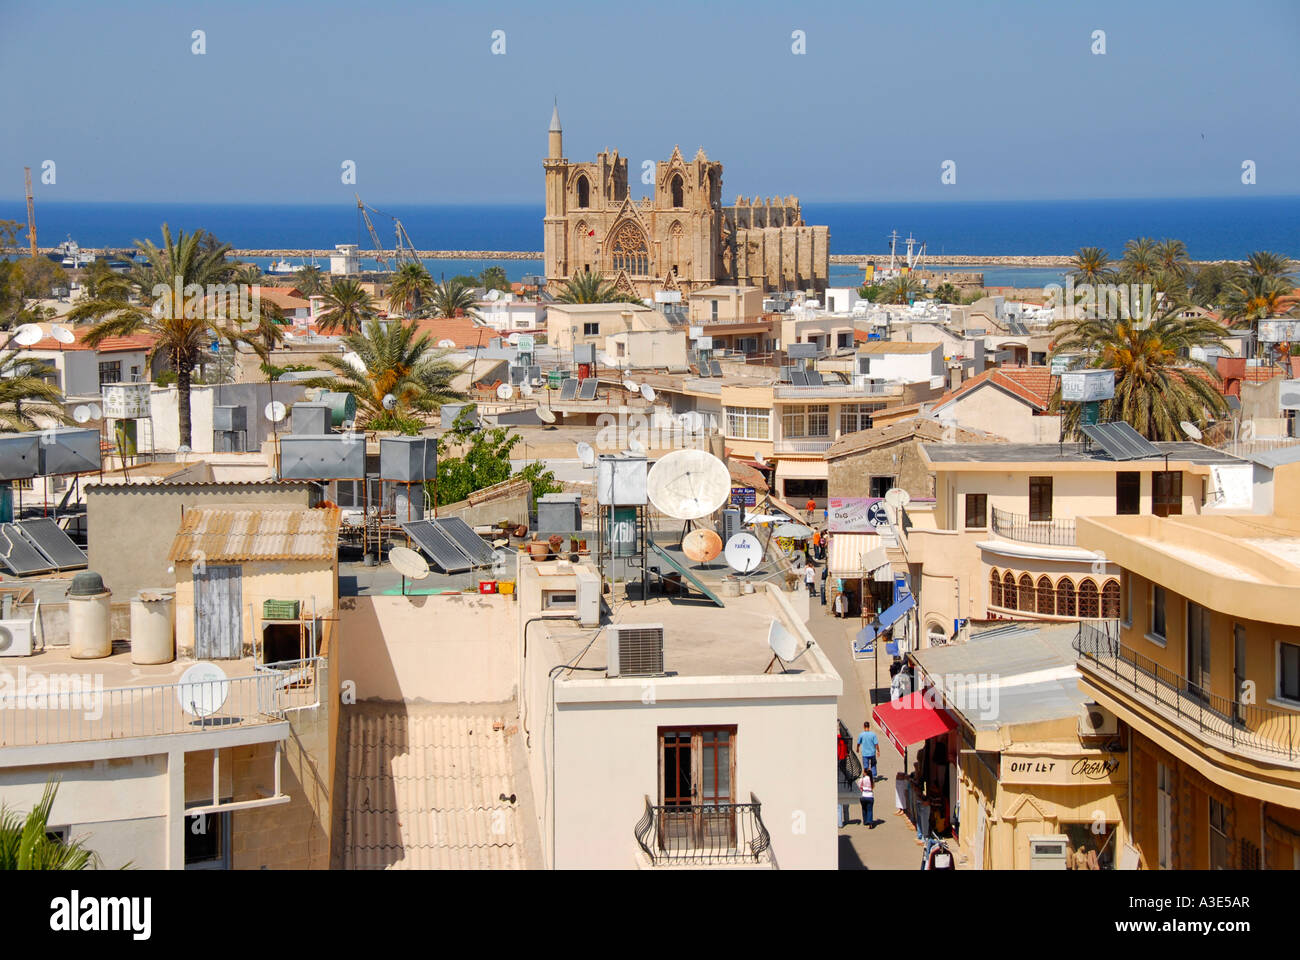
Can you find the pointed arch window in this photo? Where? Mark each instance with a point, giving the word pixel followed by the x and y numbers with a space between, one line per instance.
pixel 629 251
pixel 1009 591
pixel 995 588
pixel 584 192
pixel 1026 593
pixel 1046 596
pixel 1065 597
pixel 1110 600
pixel 1088 605
pixel 678 189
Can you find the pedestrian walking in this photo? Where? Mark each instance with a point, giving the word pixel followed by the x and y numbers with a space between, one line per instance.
pixel 810 578
pixel 811 506
pixel 841 604
pixel 867 787
pixel 867 743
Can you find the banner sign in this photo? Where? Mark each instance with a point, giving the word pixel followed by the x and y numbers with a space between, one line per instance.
pixel 855 514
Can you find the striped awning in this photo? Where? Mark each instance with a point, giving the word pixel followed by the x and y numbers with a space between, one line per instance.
pixel 849 552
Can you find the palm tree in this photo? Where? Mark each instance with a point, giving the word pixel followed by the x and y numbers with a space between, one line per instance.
pixel 593 288
pixel 1140 262
pixel 25 843
pixel 28 401
pixel 1255 296
pixel 348 306
pixel 394 361
pixel 310 281
pixel 1157 384
pixel 182 328
pixel 903 288
pixel 453 298
pixel 1262 263
pixel 1090 265
pixel 410 287
pixel 249 273
pixel 494 278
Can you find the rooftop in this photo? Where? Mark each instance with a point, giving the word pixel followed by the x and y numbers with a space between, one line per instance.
pixel 232 534
pixel 917 428
pixel 1033 385
pixel 975 453
pixel 890 347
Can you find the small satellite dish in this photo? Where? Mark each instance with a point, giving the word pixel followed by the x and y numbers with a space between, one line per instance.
pixel 743 553
pixel 447 344
pixel 1191 429
pixel 81 413
pixel 513 339
pixel 390 401
pixel 28 334
pixel 408 563
pixel 62 334
pixel 275 411
pixel 635 446
pixel 631 386
pixel 545 415
pixel 648 392
pixel 783 643
pixel 505 391
pixel 607 360
pixel 688 484
pixel 95 412
pixel 203 689
pixel 701 545
pixel 586 453
pixel 897 497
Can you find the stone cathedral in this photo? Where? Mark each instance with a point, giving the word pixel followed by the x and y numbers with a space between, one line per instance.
pixel 682 238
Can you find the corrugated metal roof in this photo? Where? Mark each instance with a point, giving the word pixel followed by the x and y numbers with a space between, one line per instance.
pixel 424 791
pixel 220 534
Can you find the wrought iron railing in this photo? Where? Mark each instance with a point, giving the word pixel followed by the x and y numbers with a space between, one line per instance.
pixel 1017 526
pixel 1217 720
pixel 703 834
pixel 46 708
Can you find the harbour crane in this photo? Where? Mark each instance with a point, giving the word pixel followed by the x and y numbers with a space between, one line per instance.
pixel 31 211
pixel 403 247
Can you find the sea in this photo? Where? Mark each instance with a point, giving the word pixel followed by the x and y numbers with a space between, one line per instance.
pixel 1212 228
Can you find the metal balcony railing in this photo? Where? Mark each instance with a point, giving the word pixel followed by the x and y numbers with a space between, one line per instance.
pixel 702 834
pixel 1017 526
pixel 802 445
pixel 1216 720
pixel 69 708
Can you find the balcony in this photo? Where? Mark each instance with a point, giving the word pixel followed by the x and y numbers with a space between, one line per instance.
pixel 1216 721
pixel 791 391
pixel 1017 526
pixel 704 835
pixel 802 445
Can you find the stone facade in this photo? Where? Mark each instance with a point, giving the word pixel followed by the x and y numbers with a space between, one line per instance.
pixel 680 239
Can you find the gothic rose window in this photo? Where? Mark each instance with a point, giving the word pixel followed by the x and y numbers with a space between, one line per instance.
pixel 629 251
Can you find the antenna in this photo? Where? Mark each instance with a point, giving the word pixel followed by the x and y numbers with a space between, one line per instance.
pixel 203 689
pixel 688 484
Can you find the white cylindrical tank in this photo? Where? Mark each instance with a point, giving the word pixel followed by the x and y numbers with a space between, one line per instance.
pixel 89 613
pixel 152 637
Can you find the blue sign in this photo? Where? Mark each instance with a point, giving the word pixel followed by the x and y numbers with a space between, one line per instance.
pixel 744 496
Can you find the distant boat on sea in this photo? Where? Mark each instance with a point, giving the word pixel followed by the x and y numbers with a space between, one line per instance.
pixel 281 266
pixel 70 255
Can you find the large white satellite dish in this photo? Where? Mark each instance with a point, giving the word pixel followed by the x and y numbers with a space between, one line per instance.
pixel 783 643
pixel 743 552
pixel 513 339
pixel 28 334
pixel 447 344
pixel 586 453
pixel 691 420
pixel 505 391
pixel 389 401
pixel 648 392
pixel 526 389
pixel 62 334
pixel 203 689
pixel 897 497
pixel 1191 429
pixel 631 386
pixel 276 411
pixel 545 415
pixel 409 564
pixel 688 484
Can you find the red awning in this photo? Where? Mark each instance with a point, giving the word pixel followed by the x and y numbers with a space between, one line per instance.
pixel 911 720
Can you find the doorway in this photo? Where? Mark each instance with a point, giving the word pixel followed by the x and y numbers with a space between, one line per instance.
pixel 218 620
pixel 697 771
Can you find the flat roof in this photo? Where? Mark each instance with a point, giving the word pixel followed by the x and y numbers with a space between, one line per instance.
pixel 1181 450
pixel 897 346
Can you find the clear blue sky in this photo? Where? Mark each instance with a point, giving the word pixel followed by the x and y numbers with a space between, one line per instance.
pixel 885 93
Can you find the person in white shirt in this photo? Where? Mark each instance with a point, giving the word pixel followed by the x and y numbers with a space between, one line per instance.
pixel 810 578
pixel 867 788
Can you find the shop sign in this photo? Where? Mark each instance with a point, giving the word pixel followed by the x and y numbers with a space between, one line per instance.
pixel 1077 770
pixel 856 514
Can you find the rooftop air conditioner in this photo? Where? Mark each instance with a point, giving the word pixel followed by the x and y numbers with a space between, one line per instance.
pixel 1289 395
pixel 15 638
pixel 635 650
pixel 1096 721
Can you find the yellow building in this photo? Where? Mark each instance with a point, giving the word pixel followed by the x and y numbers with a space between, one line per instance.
pixel 1202 670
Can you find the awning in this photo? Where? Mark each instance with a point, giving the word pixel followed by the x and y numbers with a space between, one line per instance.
pixel 910 720
pixel 801 470
pixel 849 551
pixel 867 635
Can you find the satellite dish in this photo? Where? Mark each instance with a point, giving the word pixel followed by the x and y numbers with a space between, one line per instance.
pixel 390 401
pixel 586 454
pixel 607 360
pixel 545 415
pixel 635 446
pixel 28 334
pixel 289 336
pixel 526 389
pixel 744 553
pixel 81 413
pixel 688 484
pixel 95 412
pixel 513 339
pixel 1191 429
pixel 783 643
pixel 648 392
pixel 691 421
pixel 203 689
pixel 447 344
pixel 631 386
pixel 897 497
pixel 505 391
pixel 701 545
pixel 795 531
pixel 355 362
pixel 62 333
pixel 275 411
pixel 408 563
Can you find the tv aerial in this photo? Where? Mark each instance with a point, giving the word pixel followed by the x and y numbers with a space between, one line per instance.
pixel 202 690
pixel 409 564
pixel 688 484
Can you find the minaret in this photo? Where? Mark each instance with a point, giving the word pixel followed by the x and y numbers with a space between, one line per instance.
pixel 555 224
pixel 555 136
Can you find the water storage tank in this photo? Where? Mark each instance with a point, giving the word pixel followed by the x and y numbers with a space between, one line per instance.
pixel 88 617
pixel 152 639
pixel 343 406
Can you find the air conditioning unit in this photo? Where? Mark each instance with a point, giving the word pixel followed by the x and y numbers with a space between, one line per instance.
pixel 587 596
pixel 635 650
pixel 1096 721
pixel 15 638
pixel 1289 395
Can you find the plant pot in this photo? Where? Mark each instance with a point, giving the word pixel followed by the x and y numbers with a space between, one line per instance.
pixel 539 551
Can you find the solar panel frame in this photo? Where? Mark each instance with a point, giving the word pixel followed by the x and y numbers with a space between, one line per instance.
pixel 18 554
pixel 715 368
pixel 52 541
pixel 815 378
pixel 799 378
pixel 438 546
pixel 465 538
pixel 569 388
pixel 1120 441
pixel 534 372
pixel 587 391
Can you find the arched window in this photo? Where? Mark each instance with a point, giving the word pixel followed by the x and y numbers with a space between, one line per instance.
pixel 1065 597
pixel 678 190
pixel 1110 600
pixel 1009 591
pixel 1026 599
pixel 1088 607
pixel 584 192
pixel 676 248
pixel 1046 596
pixel 629 251
pixel 995 588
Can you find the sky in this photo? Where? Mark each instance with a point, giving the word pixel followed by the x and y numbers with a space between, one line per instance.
pixel 1010 98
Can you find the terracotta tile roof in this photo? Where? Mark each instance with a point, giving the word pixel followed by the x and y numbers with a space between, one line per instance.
pixel 887 347
pixel 1033 385
pixel 463 331
pixel 286 298
pixel 918 428
pixel 141 342
pixel 220 534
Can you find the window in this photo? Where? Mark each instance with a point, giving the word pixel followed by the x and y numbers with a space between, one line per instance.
pixel 1009 591
pixel 110 372
pixel 1288 669
pixel 1167 493
pixel 1088 600
pixel 629 251
pixel 1157 631
pixel 806 421
pixel 1164 815
pixel 1046 596
pixel 713 307
pixel 697 768
pixel 1065 597
pixel 880 486
pixel 1110 600
pixel 843 340
pixel 1026 599
pixel 977 511
pixel 995 589
pixel 679 198
pixel 591 329
pixel 1128 492
pixel 748 423
pixel 819 420
pixel 1218 835
pixel 1040 498
pixel 207 841
pixel 584 192
pixel 1198 650
pixel 855 417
